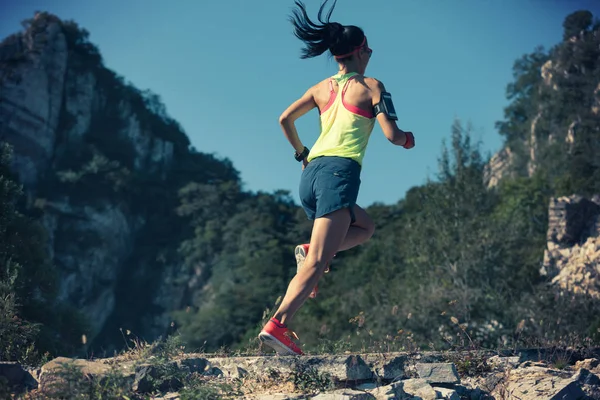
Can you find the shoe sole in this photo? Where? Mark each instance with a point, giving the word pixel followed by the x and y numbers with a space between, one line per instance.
pixel 276 345
pixel 300 255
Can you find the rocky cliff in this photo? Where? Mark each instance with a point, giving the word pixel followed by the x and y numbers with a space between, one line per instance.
pixel 551 131
pixel 572 258
pixel 101 161
pixel 555 109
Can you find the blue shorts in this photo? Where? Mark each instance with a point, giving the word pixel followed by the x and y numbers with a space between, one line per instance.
pixel 329 184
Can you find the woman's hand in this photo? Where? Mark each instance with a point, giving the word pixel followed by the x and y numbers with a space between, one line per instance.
pixel 410 140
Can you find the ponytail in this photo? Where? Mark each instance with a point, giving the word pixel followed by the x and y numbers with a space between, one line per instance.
pixel 325 35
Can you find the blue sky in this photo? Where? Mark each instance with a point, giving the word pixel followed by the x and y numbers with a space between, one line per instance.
pixel 226 69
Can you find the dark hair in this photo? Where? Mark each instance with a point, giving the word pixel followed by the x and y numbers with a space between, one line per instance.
pixel 319 38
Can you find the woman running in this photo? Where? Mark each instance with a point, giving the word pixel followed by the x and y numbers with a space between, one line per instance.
pixel 348 104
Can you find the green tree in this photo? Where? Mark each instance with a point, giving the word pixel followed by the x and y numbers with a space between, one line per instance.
pixel 577 22
pixel 243 245
pixel 16 335
pixel 29 313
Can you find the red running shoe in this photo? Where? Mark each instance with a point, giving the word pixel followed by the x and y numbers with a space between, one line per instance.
pixel 277 336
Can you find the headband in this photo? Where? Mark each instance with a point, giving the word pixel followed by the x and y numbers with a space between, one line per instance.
pixel 353 51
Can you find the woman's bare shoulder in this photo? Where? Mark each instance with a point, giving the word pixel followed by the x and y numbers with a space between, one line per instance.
pixel 374 84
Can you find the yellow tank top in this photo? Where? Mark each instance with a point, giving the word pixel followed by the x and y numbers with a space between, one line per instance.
pixel 345 129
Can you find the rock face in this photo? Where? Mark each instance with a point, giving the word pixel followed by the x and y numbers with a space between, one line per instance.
pixel 32 94
pixel 533 127
pixel 64 113
pixel 572 258
pixel 48 103
pixel 498 167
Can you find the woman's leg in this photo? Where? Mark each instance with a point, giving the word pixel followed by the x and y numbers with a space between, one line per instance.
pixel 328 234
pixel 360 231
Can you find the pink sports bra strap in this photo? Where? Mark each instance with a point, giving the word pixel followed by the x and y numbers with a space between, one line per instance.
pixel 332 96
pixel 350 107
pixel 346 85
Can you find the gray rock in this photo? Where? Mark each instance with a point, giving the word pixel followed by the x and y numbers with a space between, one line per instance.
pixel 534 383
pixel 194 364
pixel 367 386
pixel 504 362
pixel 393 369
pixel 164 378
pixel 446 394
pixel 418 388
pixel 234 372
pixel 97 368
pixel 344 394
pixel 476 394
pixel 394 391
pixel 492 380
pixel 498 167
pixel 593 392
pixel 573 224
pixel 569 217
pixel 339 368
pixel 586 377
pixel 570 391
pixel 17 379
pixel 591 364
pixel 438 372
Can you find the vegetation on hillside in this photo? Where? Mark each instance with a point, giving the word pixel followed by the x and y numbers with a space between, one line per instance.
pixel 31 319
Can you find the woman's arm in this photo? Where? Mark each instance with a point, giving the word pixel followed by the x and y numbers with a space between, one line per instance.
pixel 293 112
pixel 391 131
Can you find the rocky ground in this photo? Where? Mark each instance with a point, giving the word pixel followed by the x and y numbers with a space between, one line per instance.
pixel 525 375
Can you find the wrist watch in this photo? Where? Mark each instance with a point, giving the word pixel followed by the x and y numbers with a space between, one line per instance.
pixel 301 156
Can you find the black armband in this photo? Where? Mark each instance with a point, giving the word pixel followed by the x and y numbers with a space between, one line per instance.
pixel 385 106
pixel 301 156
